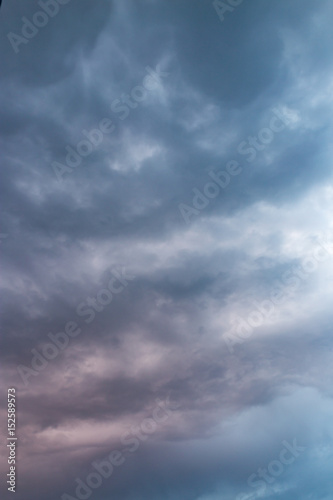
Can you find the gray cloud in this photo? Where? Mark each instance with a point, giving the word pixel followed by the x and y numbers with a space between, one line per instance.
pixel 163 336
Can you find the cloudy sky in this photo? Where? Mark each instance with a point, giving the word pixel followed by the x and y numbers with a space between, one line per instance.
pixel 167 248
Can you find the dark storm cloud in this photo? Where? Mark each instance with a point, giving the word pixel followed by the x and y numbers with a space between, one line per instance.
pixel 163 335
pixel 71 31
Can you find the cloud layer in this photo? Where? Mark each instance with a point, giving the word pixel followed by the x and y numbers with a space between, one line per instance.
pixel 214 89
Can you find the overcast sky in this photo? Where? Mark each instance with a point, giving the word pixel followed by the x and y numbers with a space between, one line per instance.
pixel 186 245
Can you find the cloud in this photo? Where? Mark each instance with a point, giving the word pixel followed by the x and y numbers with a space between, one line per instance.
pixel 163 336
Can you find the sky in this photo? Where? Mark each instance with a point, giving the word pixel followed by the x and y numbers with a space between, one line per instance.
pixel 167 248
